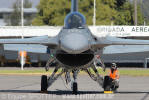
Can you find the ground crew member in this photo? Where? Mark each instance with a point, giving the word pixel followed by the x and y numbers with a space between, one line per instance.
pixel 22 57
pixel 114 75
pixel 23 53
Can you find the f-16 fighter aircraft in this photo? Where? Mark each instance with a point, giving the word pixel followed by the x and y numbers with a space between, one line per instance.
pixel 74 49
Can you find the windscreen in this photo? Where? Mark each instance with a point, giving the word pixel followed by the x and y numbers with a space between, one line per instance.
pixel 74 20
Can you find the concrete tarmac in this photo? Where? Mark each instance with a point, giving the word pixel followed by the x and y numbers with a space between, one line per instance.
pixel 28 88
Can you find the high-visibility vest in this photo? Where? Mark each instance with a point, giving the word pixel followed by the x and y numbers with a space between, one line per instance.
pixel 114 75
pixel 23 53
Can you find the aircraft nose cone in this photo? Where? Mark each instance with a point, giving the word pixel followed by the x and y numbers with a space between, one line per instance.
pixel 74 43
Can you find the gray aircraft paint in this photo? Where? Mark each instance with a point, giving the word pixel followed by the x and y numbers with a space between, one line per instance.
pixel 75 45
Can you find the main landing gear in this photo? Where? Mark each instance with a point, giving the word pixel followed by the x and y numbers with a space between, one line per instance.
pixel 96 76
pixel 110 84
pixel 75 88
pixel 48 81
pixel 44 83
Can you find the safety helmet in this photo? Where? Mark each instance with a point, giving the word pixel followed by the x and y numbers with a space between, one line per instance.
pixel 113 65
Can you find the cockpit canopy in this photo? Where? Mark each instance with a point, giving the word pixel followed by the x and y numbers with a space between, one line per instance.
pixel 75 20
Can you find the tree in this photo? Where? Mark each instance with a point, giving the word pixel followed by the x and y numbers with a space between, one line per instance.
pixel 119 12
pixel 52 12
pixel 106 14
pixel 27 4
pixel 28 18
pixel 14 18
pixel 120 3
pixel 125 14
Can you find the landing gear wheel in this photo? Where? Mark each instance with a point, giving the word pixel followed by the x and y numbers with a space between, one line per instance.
pixel 75 88
pixel 107 83
pixel 44 83
pixel 107 88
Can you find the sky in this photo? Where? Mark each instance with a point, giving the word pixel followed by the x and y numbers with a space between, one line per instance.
pixel 9 3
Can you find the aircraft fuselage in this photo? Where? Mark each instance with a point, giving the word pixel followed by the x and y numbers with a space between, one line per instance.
pixel 75 49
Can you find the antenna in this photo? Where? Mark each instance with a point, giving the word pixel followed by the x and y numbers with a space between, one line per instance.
pixel 74 5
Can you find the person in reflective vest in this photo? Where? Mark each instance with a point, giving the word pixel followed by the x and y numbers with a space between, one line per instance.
pixel 23 53
pixel 114 75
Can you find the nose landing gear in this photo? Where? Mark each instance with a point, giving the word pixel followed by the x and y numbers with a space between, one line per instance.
pixel 75 88
pixel 75 84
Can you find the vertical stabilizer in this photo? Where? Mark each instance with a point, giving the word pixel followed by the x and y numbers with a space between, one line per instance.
pixel 74 5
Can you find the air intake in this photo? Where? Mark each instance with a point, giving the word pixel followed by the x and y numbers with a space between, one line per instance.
pixel 75 60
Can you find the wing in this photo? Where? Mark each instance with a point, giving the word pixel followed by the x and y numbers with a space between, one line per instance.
pixel 40 35
pixel 120 49
pixel 106 41
pixel 29 31
pixel 51 42
pixel 34 48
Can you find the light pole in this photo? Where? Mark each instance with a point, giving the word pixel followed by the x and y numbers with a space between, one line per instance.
pixel 144 21
pixel 94 16
pixel 135 13
pixel 22 13
pixel 22 24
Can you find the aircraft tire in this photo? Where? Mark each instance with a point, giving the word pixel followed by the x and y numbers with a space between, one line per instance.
pixel 75 88
pixel 107 88
pixel 44 83
pixel 107 84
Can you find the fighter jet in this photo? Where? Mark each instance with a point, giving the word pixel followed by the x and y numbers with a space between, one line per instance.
pixel 73 49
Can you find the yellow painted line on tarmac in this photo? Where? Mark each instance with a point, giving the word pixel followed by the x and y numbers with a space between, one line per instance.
pixel 25 74
pixel 34 74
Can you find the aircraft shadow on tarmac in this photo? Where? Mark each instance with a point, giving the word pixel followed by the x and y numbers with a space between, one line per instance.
pixel 65 92
pixel 132 92
pixel 57 92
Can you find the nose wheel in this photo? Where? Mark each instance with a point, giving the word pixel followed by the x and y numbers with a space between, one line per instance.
pixel 75 88
pixel 44 83
pixel 74 84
